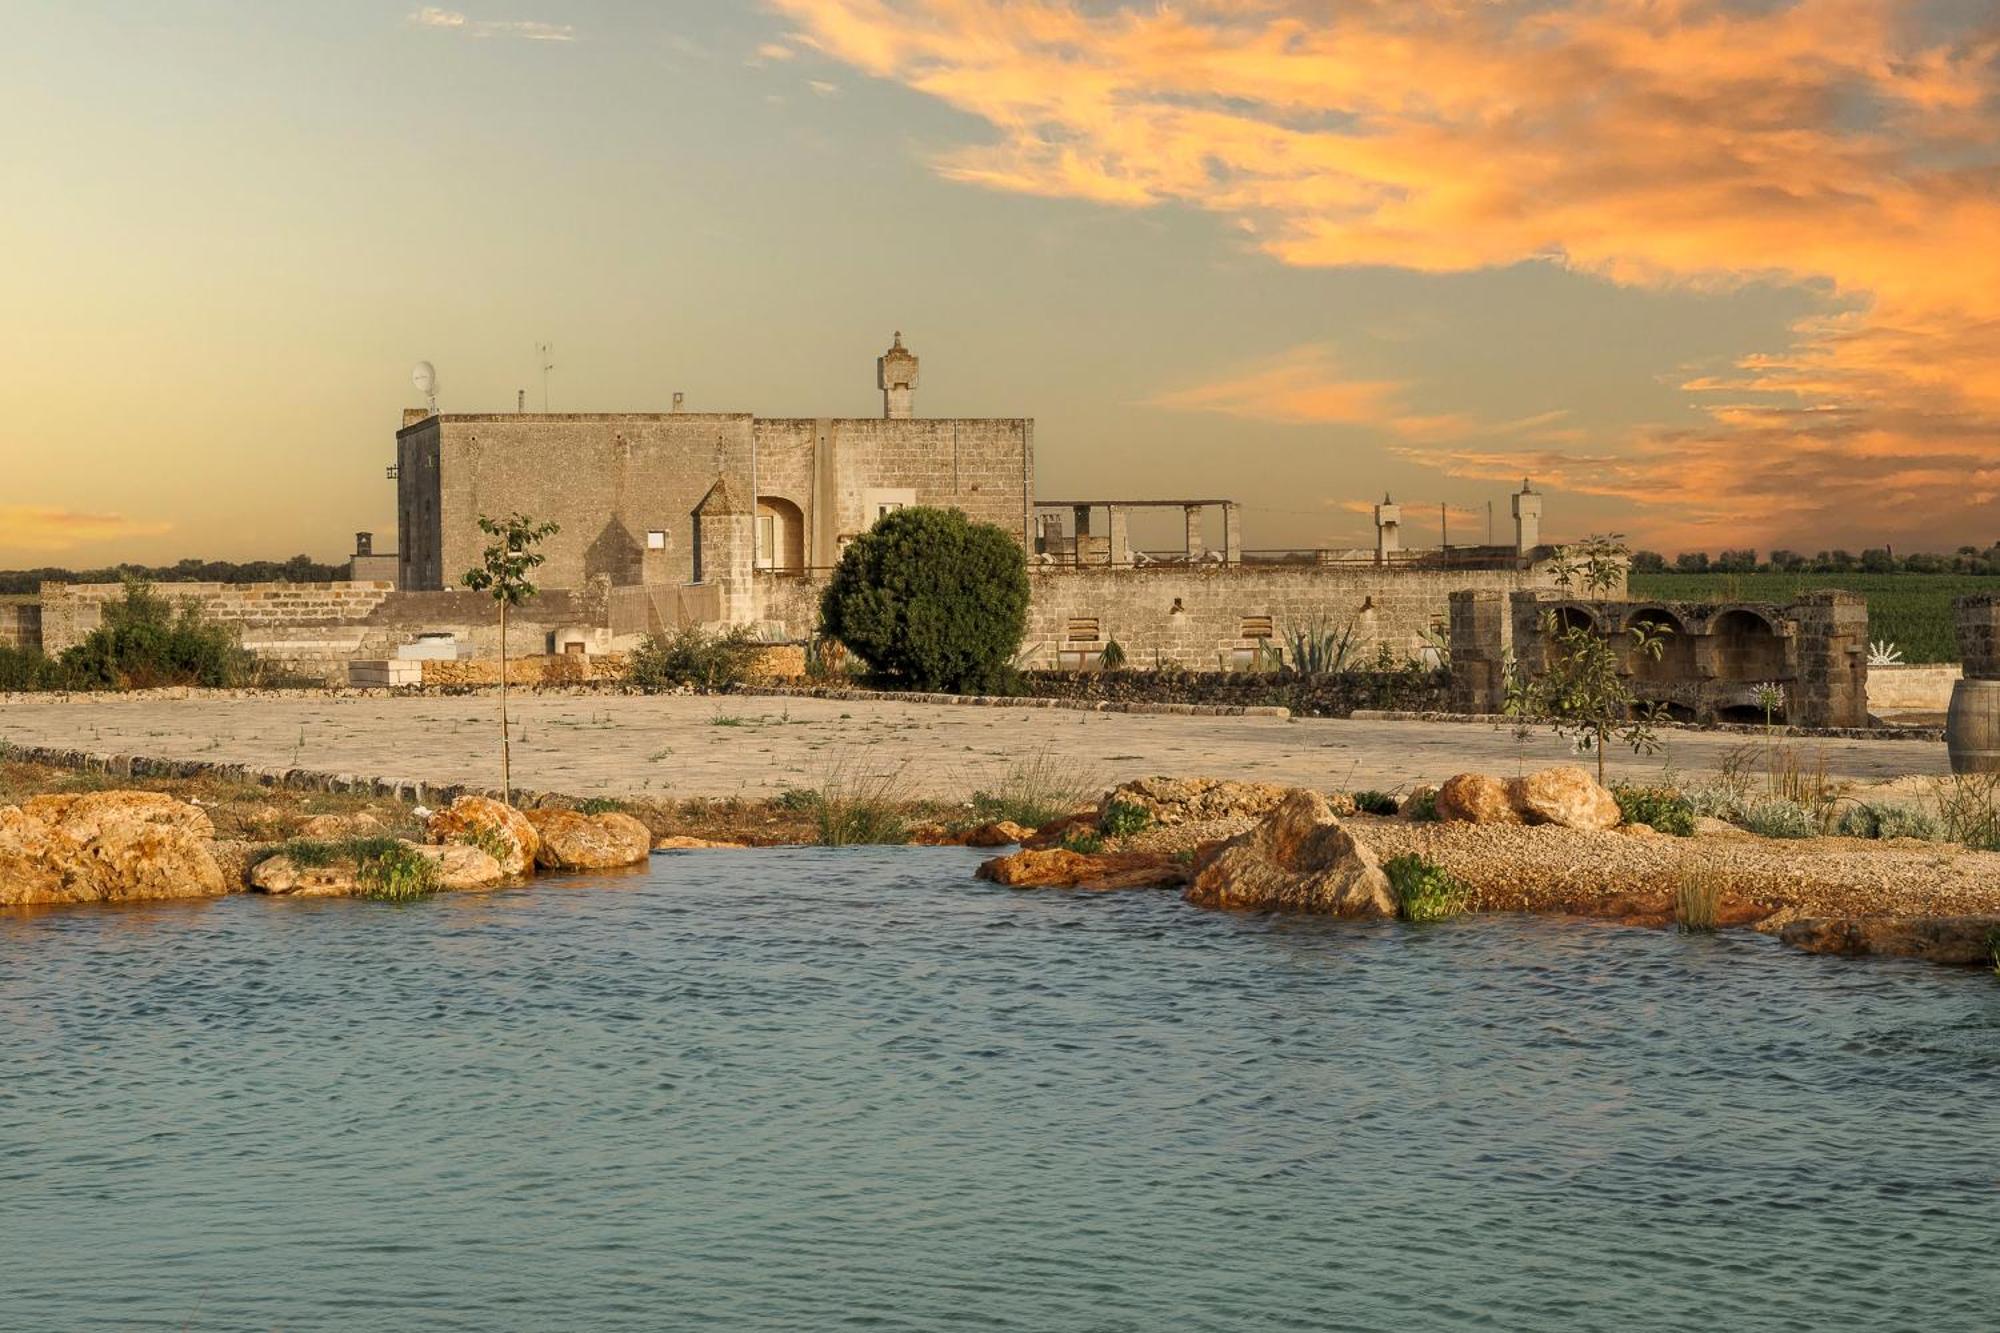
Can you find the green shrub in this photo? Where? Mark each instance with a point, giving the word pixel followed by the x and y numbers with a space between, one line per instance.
pixel 600 805
pixel 487 839
pixel 1425 890
pixel 29 669
pixel 1780 818
pixel 1374 802
pixel 398 873
pixel 1122 819
pixel 145 641
pixel 1083 840
pixel 931 600
pixel 1661 808
pixel 1422 806
pixel 1112 658
pixel 703 659
pixel 1890 821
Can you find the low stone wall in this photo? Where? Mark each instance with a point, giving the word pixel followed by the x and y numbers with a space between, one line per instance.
pixel 1923 688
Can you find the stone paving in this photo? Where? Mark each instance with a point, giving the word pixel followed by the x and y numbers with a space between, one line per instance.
pixel 754 745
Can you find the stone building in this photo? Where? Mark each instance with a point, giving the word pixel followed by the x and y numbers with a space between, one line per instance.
pixel 1714 660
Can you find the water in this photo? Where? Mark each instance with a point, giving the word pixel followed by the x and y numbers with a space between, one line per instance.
pixel 824 1090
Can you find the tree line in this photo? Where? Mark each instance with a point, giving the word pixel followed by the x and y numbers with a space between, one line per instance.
pixel 298 569
pixel 1874 560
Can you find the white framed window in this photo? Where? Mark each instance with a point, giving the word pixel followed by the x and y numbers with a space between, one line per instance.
pixel 656 540
pixel 878 501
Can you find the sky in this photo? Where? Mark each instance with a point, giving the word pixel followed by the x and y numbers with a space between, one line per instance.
pixel 1714 273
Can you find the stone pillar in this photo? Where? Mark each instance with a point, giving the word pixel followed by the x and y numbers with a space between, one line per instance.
pixel 1232 533
pixel 1121 535
pixel 1972 729
pixel 1195 549
pixel 1479 644
pixel 1832 685
pixel 1527 519
pixel 1388 529
pixel 896 375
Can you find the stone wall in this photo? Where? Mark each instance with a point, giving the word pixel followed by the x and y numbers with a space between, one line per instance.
pixel 1916 688
pixel 314 629
pixel 20 625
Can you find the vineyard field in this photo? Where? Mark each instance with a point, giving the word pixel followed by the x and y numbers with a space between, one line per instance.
pixel 1913 611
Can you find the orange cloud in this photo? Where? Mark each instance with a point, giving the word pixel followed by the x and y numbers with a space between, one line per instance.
pixel 1850 144
pixel 48 528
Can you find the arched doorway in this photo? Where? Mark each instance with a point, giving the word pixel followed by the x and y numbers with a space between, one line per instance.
pixel 781 535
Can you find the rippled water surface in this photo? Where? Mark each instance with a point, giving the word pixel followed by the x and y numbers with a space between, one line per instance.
pixel 819 1090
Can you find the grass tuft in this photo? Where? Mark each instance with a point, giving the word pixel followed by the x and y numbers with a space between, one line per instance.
pixel 855 807
pixel 1697 897
pixel 1374 802
pixel 1033 791
pixel 1122 819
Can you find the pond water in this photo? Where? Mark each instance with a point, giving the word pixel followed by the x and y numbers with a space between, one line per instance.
pixel 855 1089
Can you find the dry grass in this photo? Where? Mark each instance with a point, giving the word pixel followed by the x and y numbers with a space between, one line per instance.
pixel 1697 896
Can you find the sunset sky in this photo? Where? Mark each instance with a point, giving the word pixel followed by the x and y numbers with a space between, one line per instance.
pixel 1713 274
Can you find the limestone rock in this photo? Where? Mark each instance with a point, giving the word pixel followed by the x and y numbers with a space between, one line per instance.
pixel 573 841
pixel 84 815
pixel 40 865
pixel 461 867
pixel 1057 831
pixel 1001 833
pixel 141 860
pixel 681 842
pixel 1474 798
pixel 1938 939
pixel 1060 868
pixel 1173 801
pixel 1413 804
pixel 361 824
pixel 483 820
pixel 1566 797
pixel 1299 858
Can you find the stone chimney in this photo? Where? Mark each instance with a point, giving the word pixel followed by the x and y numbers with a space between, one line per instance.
pixel 1388 529
pixel 364 543
pixel 896 374
pixel 1527 519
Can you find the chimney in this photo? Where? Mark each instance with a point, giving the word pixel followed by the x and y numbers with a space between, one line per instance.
pixel 364 543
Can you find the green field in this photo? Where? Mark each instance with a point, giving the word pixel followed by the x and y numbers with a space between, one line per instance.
pixel 1913 611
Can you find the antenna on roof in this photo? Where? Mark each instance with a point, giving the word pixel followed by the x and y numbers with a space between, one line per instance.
pixel 425 377
pixel 542 354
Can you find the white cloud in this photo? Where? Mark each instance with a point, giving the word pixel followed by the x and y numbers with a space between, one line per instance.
pixel 451 20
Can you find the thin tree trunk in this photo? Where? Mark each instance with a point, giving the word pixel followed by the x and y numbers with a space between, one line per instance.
pixel 506 767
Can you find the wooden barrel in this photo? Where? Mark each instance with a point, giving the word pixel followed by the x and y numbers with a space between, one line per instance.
pixel 1972 728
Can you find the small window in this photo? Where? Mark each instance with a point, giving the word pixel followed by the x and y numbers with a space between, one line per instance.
pixel 574 648
pixel 1255 627
pixel 1082 629
pixel 656 540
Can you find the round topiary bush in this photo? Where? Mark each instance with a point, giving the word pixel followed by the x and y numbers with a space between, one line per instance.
pixel 931 600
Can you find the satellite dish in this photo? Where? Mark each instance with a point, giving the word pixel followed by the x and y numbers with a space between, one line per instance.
pixel 425 377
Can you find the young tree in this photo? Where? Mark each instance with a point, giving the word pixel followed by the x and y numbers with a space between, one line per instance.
pixel 1582 693
pixel 504 571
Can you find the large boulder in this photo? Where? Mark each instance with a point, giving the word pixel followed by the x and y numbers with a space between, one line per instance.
pixel 1173 801
pixel 1061 868
pixel 1565 797
pixel 78 850
pixel 40 865
pixel 484 822
pixel 573 841
pixel 1474 798
pixel 1937 939
pixel 84 815
pixel 1299 858
pixel 360 824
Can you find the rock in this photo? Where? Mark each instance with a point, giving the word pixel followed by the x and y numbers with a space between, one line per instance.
pixel 40 865
pixel 680 842
pixel 1173 801
pixel 83 816
pixel 123 859
pixel 573 841
pixel 1057 831
pixel 1060 868
pixel 361 824
pixel 1002 833
pixel 1565 797
pixel 1706 826
pixel 1413 805
pixel 482 820
pixel 1299 858
pixel 1935 939
pixel 461 866
pixel 1474 798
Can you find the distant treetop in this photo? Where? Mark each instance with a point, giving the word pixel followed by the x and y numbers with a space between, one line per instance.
pixel 298 569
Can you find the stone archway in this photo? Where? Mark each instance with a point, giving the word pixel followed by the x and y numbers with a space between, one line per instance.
pixel 781 535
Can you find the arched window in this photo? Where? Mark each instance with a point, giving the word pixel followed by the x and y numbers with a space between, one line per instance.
pixel 781 535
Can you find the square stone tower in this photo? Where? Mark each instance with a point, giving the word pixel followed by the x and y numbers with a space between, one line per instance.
pixel 1527 518
pixel 896 374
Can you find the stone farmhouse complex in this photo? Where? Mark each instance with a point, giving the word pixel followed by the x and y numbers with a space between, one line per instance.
pixel 673 519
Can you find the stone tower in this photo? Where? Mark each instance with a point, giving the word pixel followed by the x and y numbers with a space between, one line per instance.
pixel 1388 529
pixel 1527 519
pixel 896 373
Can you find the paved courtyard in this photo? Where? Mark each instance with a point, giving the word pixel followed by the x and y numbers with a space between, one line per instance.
pixel 754 745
